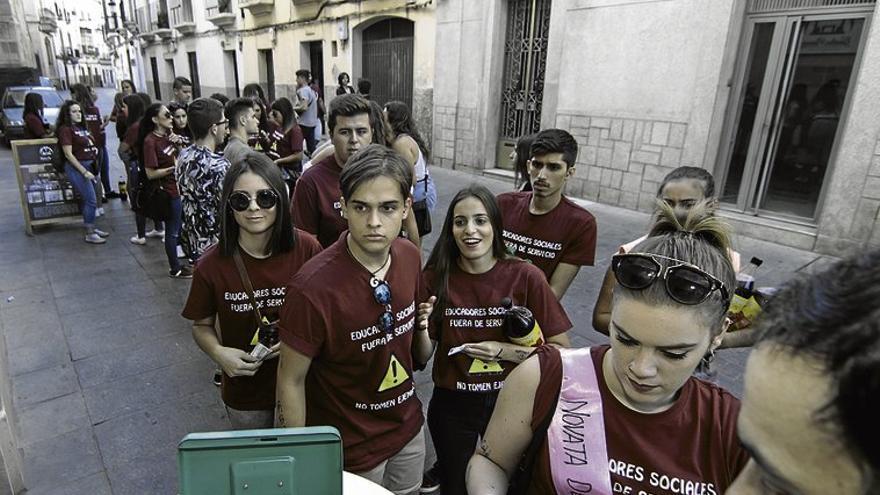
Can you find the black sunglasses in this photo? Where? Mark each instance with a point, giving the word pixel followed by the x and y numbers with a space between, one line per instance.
pixel 241 201
pixel 685 283
pixel 382 295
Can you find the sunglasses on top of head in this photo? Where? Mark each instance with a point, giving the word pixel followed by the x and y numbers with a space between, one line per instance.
pixel 241 201
pixel 685 283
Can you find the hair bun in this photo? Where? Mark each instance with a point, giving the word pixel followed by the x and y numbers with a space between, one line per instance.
pixel 700 222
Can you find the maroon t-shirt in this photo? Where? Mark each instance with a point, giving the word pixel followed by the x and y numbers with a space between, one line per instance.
pixel 567 234
pixel 33 127
pixel 289 142
pixel 160 152
pixel 473 313
pixel 361 378
pixel 93 122
pixel 316 205
pixel 691 448
pixel 80 139
pixel 217 290
pixel 131 135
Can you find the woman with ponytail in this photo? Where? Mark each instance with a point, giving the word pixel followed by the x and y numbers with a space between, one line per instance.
pixel 629 415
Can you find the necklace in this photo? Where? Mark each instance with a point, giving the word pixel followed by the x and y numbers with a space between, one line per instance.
pixel 374 280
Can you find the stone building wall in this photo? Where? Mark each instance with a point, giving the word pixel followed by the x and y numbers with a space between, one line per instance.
pixel 622 161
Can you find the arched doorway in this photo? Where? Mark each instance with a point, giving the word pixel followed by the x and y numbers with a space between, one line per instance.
pixel 388 60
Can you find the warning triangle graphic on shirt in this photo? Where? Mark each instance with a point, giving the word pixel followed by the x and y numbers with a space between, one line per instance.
pixel 256 338
pixel 479 367
pixel 394 376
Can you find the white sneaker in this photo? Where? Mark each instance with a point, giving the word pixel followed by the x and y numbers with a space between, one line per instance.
pixel 138 240
pixel 156 233
pixel 99 212
pixel 95 239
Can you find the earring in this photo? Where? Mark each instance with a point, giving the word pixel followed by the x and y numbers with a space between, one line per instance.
pixel 708 358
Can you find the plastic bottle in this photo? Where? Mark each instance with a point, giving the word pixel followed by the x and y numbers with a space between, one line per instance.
pixel 744 305
pixel 745 279
pixel 519 325
pixel 123 188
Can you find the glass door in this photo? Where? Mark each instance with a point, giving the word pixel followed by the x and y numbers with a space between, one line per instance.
pixel 793 86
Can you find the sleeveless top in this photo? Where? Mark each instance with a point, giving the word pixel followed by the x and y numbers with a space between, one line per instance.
pixel 421 168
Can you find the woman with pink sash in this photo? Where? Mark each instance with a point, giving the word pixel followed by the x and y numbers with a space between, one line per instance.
pixel 628 418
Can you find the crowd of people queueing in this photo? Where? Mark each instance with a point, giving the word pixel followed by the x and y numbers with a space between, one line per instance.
pixel 317 266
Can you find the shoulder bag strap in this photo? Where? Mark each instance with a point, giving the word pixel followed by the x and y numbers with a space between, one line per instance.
pixel 242 272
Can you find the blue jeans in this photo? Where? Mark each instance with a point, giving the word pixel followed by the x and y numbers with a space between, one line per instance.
pixel 86 190
pixel 172 233
pixel 105 169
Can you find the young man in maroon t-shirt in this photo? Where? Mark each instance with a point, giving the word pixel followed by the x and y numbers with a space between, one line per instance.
pixel 349 333
pixel 316 207
pixel 542 225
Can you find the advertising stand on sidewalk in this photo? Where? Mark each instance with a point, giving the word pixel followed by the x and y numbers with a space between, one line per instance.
pixel 47 197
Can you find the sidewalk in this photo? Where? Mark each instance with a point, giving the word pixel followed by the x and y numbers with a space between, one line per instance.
pixel 105 374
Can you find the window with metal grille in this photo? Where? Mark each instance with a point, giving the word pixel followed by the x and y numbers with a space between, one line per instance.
pixel 764 6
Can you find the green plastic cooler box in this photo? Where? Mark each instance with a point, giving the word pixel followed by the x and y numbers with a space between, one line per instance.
pixel 281 461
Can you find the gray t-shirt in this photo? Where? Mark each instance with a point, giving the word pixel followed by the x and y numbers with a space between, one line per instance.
pixel 309 118
pixel 235 150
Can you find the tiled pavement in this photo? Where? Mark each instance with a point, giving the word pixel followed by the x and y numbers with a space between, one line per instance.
pixel 106 377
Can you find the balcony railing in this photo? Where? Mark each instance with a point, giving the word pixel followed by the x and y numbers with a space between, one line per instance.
pixel 181 14
pixel 220 13
pixel 48 21
pixel 182 18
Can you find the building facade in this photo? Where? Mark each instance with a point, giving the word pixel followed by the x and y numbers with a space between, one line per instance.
pixel 16 61
pixel 778 98
pixel 222 45
pixel 63 41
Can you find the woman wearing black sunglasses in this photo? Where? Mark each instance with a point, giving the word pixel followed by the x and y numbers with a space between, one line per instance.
pixel 157 155
pixel 629 418
pixel 255 225
pixel 469 273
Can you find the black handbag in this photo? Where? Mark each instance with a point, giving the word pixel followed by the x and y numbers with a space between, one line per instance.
pixel 152 201
pixel 423 217
pixel 421 211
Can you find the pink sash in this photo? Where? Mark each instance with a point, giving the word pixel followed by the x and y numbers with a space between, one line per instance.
pixel 576 436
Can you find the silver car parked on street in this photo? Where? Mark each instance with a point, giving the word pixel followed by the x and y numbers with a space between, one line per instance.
pixel 11 118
